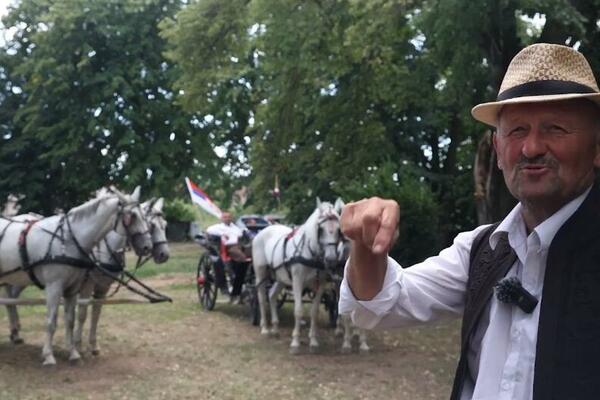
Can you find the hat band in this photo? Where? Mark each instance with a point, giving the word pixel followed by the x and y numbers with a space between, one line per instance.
pixel 544 88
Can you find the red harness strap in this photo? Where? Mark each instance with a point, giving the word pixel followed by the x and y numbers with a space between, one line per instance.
pixel 25 231
pixel 291 234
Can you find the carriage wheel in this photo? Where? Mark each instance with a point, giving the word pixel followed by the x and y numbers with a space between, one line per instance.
pixel 205 279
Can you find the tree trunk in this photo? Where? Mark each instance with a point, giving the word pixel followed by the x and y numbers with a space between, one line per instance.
pixel 492 199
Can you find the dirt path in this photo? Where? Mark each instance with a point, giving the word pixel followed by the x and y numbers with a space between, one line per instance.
pixel 178 351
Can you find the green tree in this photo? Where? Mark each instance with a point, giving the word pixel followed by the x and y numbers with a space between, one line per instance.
pixel 98 104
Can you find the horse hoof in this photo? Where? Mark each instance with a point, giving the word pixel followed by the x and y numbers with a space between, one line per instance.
pixel 75 358
pixel 17 340
pixel 274 334
pixel 363 350
pixel 96 352
pixel 49 362
pixel 295 350
pixel 346 350
pixel 264 332
pixel 313 349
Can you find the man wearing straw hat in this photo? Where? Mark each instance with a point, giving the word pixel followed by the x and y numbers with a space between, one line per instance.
pixel 528 287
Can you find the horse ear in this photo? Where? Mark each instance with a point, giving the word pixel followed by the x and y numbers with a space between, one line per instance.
pixel 318 202
pixel 158 206
pixel 135 196
pixel 339 204
pixel 118 193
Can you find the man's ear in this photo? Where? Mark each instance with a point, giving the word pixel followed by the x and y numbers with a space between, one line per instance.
pixel 495 143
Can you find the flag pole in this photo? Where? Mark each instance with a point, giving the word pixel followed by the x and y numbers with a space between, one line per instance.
pixel 277 192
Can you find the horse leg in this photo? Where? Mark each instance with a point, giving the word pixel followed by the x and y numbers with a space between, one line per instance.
pixel 53 294
pixel 70 304
pixel 273 294
pixel 340 327
pixel 82 309
pixel 96 310
pixel 347 344
pixel 364 347
pixel 261 291
pixel 81 318
pixel 13 292
pixel 297 282
pixel 314 315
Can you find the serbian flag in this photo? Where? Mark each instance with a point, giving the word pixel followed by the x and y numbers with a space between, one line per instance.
pixel 199 197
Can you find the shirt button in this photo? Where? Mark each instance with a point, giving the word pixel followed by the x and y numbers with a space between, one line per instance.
pixel 505 385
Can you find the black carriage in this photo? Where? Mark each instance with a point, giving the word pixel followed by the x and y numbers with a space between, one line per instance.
pixel 214 262
pixel 215 269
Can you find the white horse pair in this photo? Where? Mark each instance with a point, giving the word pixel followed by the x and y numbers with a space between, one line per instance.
pixel 301 259
pixel 110 254
pixel 54 252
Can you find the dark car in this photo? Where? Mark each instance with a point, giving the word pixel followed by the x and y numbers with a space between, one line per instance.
pixel 252 222
pixel 275 219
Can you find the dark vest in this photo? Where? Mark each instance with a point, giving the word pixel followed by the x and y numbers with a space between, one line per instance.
pixel 567 365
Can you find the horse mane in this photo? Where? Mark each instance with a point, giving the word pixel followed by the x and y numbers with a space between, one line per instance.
pixel 88 208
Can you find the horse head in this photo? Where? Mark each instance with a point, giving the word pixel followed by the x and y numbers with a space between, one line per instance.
pixel 131 221
pixel 158 226
pixel 328 233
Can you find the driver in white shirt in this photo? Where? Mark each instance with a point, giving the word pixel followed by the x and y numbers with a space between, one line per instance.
pixel 230 235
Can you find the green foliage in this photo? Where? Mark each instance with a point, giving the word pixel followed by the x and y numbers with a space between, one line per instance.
pixel 179 210
pixel 332 97
pixel 97 104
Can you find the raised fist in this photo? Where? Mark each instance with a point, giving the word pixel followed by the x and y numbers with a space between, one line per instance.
pixel 371 223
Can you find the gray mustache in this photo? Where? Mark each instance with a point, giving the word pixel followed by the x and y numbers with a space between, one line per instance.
pixel 544 161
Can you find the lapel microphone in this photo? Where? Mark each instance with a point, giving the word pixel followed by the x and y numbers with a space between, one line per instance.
pixel 510 291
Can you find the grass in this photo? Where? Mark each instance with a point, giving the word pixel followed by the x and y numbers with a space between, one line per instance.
pixel 178 351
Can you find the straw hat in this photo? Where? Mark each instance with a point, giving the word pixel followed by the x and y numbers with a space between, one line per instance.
pixel 542 72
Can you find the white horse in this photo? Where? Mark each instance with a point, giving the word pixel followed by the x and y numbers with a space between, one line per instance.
pixel 54 253
pixel 109 252
pixel 300 259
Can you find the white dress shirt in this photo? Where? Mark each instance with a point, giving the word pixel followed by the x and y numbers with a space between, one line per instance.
pixel 229 233
pixel 501 356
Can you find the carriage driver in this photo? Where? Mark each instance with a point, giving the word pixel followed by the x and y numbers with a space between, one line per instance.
pixel 230 235
pixel 528 287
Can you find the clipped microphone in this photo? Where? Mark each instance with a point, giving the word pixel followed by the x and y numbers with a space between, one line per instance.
pixel 510 291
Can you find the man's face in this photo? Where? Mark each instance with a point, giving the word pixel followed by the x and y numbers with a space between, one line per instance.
pixel 547 151
pixel 226 218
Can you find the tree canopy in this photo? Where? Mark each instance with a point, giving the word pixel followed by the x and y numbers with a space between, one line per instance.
pixel 331 97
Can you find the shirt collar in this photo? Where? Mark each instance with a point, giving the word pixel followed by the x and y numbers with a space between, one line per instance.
pixel 514 224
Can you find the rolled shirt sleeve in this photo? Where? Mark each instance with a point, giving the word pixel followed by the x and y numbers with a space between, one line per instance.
pixel 424 292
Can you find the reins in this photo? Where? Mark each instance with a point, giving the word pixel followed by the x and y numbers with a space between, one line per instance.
pixel 315 260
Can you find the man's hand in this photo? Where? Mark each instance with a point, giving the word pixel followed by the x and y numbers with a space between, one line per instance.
pixel 372 225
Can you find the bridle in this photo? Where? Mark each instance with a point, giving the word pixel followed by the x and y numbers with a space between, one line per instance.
pixel 321 246
pixel 126 216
